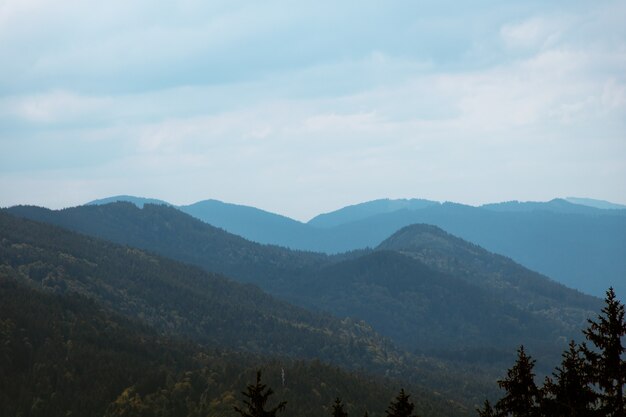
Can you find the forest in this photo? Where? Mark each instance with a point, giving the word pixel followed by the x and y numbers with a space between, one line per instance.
pixel 90 327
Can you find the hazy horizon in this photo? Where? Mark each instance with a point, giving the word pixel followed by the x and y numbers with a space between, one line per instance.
pixel 304 108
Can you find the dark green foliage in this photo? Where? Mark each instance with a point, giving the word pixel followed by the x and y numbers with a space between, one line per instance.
pixel 606 362
pixel 179 300
pixel 338 410
pixel 65 355
pixel 522 397
pixel 182 300
pixel 257 396
pixel 465 306
pixel 589 383
pixel 401 406
pixel 504 302
pixel 487 410
pixel 569 394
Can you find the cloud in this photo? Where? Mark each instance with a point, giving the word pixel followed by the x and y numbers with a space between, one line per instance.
pixel 304 110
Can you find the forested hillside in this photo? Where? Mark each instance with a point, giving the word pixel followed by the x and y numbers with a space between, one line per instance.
pixel 451 304
pixel 180 300
pixel 64 354
pixel 579 245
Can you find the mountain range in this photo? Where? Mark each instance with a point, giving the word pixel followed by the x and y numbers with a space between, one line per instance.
pixel 578 242
pixel 87 299
pixel 423 306
pixel 413 288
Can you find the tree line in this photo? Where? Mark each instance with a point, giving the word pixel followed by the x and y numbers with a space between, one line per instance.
pixel 257 396
pixel 588 383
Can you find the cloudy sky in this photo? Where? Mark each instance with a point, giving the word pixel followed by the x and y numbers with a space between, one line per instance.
pixel 301 107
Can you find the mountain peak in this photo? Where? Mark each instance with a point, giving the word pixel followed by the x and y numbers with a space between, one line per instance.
pixel 416 237
pixel 138 201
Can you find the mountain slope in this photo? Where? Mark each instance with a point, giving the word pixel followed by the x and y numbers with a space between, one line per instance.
pixel 182 300
pixel 365 284
pixel 63 354
pixel 138 201
pixel 601 204
pixel 581 251
pixel 362 211
pixel 167 231
pixel 252 223
pixel 580 246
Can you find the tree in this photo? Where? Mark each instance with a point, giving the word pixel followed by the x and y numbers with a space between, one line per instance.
pixel 486 411
pixel 257 397
pixel 569 395
pixel 606 365
pixel 338 410
pixel 401 406
pixel 522 395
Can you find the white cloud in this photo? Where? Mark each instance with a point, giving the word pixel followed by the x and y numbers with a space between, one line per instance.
pixel 255 104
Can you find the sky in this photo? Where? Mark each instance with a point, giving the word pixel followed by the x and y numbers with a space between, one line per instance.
pixel 302 107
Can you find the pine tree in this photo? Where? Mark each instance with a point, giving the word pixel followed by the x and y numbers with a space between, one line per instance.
pixel 486 411
pixel 606 365
pixel 338 410
pixel 569 395
pixel 522 395
pixel 257 397
pixel 401 406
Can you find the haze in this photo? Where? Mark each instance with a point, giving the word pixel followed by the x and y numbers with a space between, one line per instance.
pixel 304 107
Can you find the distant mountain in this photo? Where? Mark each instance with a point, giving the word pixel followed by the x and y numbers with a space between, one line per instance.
pixel 422 280
pixel 252 223
pixel 138 201
pixel 457 297
pixel 178 299
pixel 557 205
pixel 364 210
pixel 582 251
pixel 601 204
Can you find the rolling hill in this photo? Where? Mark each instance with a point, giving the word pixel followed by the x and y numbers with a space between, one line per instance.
pixel 64 354
pixel 580 243
pixel 429 291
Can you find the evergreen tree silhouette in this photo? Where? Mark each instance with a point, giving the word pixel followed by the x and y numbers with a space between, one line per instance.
pixel 522 395
pixel 486 411
pixel 338 410
pixel 401 406
pixel 257 397
pixel 569 395
pixel 606 365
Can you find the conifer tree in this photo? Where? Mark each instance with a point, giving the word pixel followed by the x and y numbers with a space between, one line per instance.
pixel 569 395
pixel 257 397
pixel 486 411
pixel 401 406
pixel 338 410
pixel 606 364
pixel 522 395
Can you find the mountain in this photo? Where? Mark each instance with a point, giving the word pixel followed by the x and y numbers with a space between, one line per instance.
pixel 64 354
pixel 364 210
pixel 252 223
pixel 582 249
pixel 138 201
pixel 558 205
pixel 178 299
pixel 580 246
pixel 440 295
pixel 426 298
pixel 601 204
pixel 181 300
pixel 169 232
